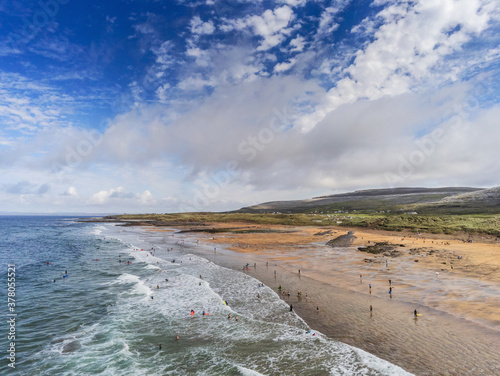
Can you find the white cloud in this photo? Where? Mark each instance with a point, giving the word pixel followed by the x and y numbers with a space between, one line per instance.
pixel 283 67
pixel 202 57
pixel 293 3
pixel 297 44
pixel 327 22
pixel 71 192
pixel 200 27
pixel 271 26
pixel 408 51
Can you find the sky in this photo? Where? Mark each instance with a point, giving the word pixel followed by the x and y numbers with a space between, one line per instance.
pixel 211 105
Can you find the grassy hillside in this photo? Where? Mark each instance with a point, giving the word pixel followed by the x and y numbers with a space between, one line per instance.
pixel 437 224
pixel 436 210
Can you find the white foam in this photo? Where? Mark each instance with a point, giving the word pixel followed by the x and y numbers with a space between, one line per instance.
pixel 380 365
pixel 97 230
pixel 248 372
pixel 139 288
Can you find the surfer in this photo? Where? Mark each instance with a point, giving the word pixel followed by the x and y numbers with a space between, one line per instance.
pixel 159 346
pixel 415 313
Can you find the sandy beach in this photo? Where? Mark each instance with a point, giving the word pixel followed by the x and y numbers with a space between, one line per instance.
pixel 452 281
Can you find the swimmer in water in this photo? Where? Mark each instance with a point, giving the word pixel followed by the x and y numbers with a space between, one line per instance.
pixel 159 346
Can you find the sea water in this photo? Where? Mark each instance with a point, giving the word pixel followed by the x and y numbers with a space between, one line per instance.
pixel 107 317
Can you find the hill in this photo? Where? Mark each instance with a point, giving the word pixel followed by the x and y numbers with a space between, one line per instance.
pixel 442 200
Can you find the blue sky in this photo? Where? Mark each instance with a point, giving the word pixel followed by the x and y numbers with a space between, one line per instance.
pixel 167 106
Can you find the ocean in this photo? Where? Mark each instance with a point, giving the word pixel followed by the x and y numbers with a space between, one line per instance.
pixel 87 303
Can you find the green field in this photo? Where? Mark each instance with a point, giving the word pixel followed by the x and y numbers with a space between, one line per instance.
pixel 437 224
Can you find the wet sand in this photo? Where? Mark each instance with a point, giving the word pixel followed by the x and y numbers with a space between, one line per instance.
pixel 459 330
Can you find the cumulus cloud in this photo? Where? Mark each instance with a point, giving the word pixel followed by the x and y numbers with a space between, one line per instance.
pixel 119 194
pixel 271 26
pixel 200 27
pixel 71 192
pixel 283 67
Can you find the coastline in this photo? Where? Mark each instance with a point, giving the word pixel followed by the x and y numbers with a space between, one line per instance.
pixel 437 343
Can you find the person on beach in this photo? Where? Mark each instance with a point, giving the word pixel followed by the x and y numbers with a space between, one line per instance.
pixel 415 313
pixel 317 309
pixel 291 308
pixel 390 282
pixel 371 309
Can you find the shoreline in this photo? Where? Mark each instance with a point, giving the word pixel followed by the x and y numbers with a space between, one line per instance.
pixel 437 343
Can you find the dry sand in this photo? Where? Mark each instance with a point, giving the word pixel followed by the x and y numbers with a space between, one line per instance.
pixel 455 285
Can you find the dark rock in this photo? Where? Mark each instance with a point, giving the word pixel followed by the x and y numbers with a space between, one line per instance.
pixel 342 240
